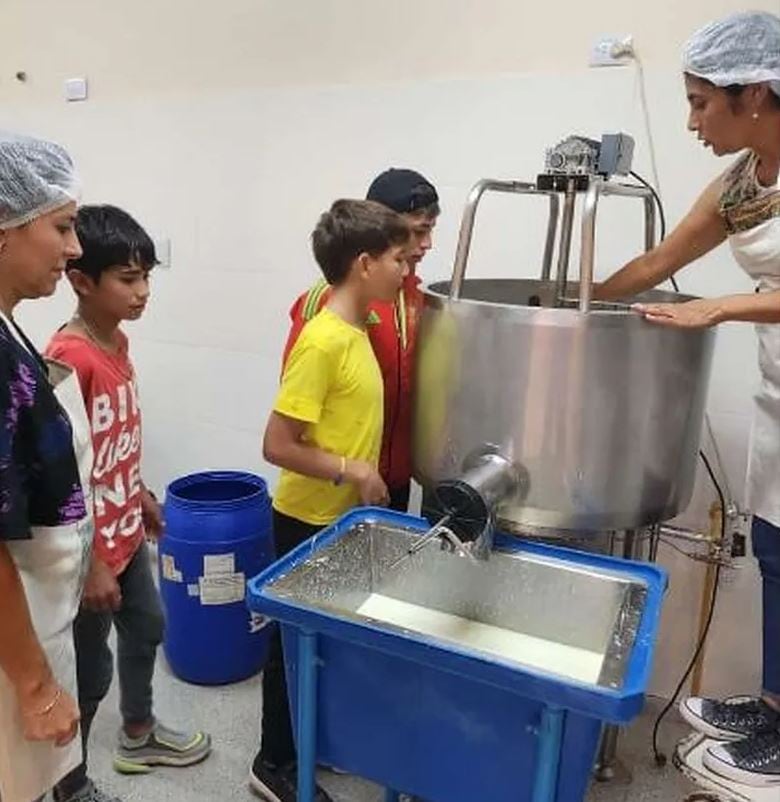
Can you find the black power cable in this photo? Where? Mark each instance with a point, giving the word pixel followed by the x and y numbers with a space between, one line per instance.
pixel 661 214
pixel 660 757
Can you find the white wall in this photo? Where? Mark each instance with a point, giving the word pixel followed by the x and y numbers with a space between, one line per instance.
pixel 171 46
pixel 228 129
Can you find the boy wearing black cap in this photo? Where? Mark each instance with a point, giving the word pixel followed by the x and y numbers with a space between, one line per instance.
pixel 392 327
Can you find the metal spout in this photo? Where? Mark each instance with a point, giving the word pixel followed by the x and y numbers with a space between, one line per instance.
pixel 470 500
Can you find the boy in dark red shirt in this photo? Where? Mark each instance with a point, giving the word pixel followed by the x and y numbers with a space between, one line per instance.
pixel 392 327
pixel 111 280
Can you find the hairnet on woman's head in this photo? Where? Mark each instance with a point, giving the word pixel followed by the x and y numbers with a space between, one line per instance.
pixel 741 49
pixel 36 177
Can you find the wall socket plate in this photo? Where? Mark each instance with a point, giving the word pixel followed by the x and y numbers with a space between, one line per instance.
pixel 612 51
pixel 76 89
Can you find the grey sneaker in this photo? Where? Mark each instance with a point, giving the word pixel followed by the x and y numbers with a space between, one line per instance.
pixel 91 793
pixel 160 747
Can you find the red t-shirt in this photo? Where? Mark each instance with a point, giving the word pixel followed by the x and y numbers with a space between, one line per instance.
pixel 109 388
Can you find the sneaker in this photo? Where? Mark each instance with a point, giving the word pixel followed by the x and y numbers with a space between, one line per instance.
pixel 91 793
pixel 753 761
pixel 160 747
pixel 278 784
pixel 731 720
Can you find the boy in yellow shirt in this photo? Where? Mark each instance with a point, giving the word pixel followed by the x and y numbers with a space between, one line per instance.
pixel 325 430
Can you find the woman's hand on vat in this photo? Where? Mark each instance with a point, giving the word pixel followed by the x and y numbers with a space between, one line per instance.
pixel 699 314
pixel 754 307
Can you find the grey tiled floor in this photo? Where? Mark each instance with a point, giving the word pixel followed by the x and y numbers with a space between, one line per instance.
pixel 231 714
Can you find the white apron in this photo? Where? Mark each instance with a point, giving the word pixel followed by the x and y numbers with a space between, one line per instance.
pixel 52 566
pixel 757 250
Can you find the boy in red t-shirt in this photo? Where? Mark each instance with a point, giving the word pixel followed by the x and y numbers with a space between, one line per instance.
pixel 111 280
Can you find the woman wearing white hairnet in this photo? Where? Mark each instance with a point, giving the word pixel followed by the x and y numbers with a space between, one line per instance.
pixel 732 77
pixel 45 463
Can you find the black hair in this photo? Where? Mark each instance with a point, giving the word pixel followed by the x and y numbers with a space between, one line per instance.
pixel 430 212
pixel 352 227
pixel 735 91
pixel 109 237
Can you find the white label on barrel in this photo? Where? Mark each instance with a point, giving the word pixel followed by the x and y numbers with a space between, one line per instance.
pixel 193 590
pixel 222 589
pixel 219 564
pixel 169 571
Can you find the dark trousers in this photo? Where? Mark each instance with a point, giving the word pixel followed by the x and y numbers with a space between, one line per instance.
pixel 766 548
pixel 399 497
pixel 139 627
pixel 277 744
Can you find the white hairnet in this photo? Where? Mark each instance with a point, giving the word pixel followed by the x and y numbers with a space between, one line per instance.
pixel 740 49
pixel 36 177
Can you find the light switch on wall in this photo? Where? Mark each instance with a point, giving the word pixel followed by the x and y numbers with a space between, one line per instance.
pixel 75 89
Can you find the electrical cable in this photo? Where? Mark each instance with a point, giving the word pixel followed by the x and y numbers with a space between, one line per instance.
pixel 660 758
pixel 646 113
pixel 661 215
pixel 656 187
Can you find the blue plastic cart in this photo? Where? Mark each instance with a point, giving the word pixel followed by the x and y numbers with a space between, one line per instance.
pixel 428 717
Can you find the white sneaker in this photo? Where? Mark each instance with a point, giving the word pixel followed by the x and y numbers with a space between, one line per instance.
pixel 753 761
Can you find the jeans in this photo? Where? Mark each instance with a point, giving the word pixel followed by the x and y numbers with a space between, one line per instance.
pixel 139 626
pixel 766 547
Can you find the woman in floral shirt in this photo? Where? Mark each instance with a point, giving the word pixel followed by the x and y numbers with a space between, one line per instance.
pixel 45 461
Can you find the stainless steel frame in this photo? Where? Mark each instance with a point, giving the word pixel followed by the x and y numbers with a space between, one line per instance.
pixel 470 214
pixel 598 188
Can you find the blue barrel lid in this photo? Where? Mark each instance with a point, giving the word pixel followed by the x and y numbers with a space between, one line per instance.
pixel 222 490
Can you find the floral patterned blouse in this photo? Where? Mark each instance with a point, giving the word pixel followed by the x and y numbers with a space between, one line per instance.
pixel 39 478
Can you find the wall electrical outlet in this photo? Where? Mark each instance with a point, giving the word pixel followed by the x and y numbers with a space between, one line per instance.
pixel 612 51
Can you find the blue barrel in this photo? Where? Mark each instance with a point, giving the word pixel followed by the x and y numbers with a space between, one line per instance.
pixel 218 535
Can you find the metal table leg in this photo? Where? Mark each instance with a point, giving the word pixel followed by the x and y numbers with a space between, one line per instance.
pixel 630 544
pixel 607 754
pixel 548 761
pixel 307 716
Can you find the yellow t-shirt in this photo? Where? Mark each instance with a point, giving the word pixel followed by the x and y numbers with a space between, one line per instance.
pixel 332 382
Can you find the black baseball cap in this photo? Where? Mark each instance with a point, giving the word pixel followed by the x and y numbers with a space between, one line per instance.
pixel 403 191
